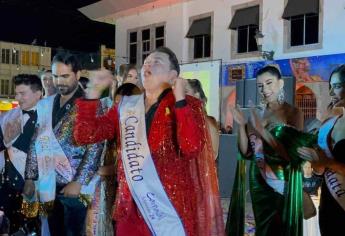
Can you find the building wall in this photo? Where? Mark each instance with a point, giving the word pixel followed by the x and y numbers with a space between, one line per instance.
pixel 31 65
pixel 275 30
pixel 177 23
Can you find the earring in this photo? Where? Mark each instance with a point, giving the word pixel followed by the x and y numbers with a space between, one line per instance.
pixel 281 96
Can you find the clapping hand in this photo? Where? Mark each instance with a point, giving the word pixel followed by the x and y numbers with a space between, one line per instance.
pixel 314 155
pixel 238 115
pixel 257 125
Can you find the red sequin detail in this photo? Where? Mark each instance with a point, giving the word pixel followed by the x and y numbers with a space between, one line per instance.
pixel 175 137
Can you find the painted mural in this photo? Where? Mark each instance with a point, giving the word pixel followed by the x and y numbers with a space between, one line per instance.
pixel 306 69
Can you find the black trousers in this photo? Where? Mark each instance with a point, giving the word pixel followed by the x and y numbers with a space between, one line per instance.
pixel 68 217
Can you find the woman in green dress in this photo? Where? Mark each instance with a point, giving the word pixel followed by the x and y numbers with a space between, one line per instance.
pixel 275 174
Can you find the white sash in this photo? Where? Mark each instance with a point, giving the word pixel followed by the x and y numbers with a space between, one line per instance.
pixel 45 145
pixel 334 181
pixel 12 123
pixel 266 171
pixel 141 175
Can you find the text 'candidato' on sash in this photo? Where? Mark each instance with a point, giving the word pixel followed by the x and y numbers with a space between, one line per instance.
pixel 132 148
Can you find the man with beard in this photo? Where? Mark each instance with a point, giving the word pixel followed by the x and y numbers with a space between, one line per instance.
pixel 17 128
pixel 64 173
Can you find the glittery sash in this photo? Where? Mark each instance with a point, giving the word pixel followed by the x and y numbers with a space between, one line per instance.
pixel 141 174
pixel 50 155
pixel 267 173
pixel 334 181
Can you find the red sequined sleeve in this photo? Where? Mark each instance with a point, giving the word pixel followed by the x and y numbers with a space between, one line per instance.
pixel 190 129
pixel 90 128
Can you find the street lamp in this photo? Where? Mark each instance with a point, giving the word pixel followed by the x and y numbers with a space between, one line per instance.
pixel 267 55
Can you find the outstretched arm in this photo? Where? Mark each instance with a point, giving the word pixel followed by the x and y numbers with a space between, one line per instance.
pixel 90 128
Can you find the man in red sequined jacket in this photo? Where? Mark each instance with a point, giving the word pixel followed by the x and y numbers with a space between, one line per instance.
pixel 175 131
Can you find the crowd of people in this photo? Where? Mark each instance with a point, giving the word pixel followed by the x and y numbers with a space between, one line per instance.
pixel 136 155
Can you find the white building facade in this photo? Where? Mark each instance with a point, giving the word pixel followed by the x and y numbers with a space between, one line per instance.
pixel 303 34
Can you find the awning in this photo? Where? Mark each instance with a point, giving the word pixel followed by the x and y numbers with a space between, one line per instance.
pixel 300 7
pixel 245 16
pixel 200 27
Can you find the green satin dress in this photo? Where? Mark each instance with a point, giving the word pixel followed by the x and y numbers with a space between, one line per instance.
pixel 275 214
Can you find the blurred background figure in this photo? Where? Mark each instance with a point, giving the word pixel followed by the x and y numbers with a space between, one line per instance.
pixel 312 186
pixel 130 84
pixel 47 82
pixel 194 88
pixel 131 75
pixel 120 74
pixel 311 182
pixel 83 82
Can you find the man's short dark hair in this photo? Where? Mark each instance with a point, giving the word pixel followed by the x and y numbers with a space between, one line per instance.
pixel 68 59
pixel 271 70
pixel 31 80
pixel 172 58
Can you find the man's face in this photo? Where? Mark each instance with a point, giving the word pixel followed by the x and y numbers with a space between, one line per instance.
pixel 156 71
pixel 26 97
pixel 65 80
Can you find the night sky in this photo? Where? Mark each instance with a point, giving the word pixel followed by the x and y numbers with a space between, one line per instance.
pixel 56 22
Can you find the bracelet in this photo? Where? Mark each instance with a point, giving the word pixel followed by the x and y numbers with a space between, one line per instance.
pixel 259 155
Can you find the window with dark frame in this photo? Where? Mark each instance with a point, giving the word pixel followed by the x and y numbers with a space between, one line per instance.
pixel 246 38
pixel 159 36
pixel 4 87
pixel 146 45
pixel 5 56
pixel 200 32
pixel 143 40
pixel 202 46
pixel 133 47
pixel 15 57
pixel 304 29
pixel 245 22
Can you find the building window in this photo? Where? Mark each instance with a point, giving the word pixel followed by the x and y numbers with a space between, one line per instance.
pixel 25 58
pixel 246 23
pixel 35 58
pixel 303 24
pixel 143 40
pixel 4 87
pixel 304 29
pixel 200 33
pixel 146 45
pixel 15 57
pixel 5 56
pixel 246 38
pixel 133 46
pixel 159 36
